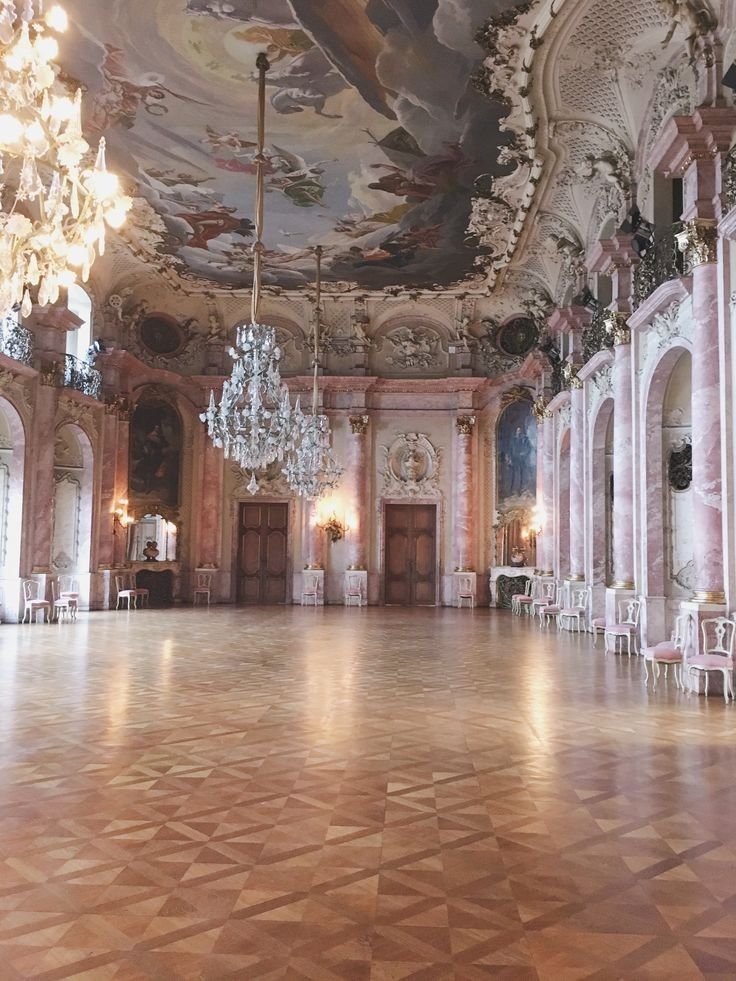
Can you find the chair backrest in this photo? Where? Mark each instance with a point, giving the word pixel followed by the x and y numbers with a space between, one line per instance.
pixel 121 583
pixel 465 586
pixel 718 636
pixel 681 632
pixel 310 583
pixel 68 584
pixel 580 597
pixel 31 589
pixel 548 591
pixel 629 611
pixel 528 587
pixel 204 580
pixel 354 583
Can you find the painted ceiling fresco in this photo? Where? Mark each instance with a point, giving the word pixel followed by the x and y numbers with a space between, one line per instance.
pixel 375 134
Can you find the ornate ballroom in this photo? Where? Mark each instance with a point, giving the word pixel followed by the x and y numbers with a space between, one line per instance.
pixel 293 317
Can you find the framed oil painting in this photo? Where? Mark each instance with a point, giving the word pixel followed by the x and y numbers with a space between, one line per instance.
pixel 155 453
pixel 516 455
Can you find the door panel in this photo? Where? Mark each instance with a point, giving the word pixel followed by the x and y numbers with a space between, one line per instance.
pixel 262 553
pixel 410 555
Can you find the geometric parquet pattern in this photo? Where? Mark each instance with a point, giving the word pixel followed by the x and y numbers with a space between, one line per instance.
pixel 363 794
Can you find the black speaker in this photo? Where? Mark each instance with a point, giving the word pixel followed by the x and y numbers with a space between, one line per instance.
pixel 729 79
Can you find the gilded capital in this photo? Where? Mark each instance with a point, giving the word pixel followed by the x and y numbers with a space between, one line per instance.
pixel 465 425
pixel 698 241
pixel 50 374
pixel 617 327
pixel 540 410
pixel 570 373
pixel 359 425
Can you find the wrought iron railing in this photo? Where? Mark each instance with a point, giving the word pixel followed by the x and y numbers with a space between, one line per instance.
pixel 663 262
pixel 16 341
pixel 729 179
pixel 597 335
pixel 82 377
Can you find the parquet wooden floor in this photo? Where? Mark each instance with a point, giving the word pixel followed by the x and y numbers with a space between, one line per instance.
pixel 331 794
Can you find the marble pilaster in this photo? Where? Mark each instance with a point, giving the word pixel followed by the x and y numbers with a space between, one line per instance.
pixel 44 426
pixel 577 482
pixel 462 525
pixel 546 537
pixel 358 441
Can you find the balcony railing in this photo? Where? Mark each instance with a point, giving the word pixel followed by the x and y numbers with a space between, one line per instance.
pixel 663 262
pixel 82 377
pixel 15 340
pixel 729 179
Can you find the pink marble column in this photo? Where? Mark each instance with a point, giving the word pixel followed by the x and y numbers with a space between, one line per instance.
pixel 122 465
pixel 42 512
pixel 108 498
pixel 577 480
pixel 706 418
pixel 547 536
pixel 358 476
pixel 539 548
pixel 210 506
pixel 462 525
pixel 623 464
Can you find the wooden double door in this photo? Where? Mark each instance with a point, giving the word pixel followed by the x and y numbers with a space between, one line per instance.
pixel 410 560
pixel 262 552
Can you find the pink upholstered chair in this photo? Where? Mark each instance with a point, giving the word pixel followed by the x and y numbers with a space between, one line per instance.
pixel 669 652
pixel 125 591
pixel 33 602
pixel 545 596
pixel 546 613
pixel 353 590
pixel 717 653
pixel 576 613
pixel 522 602
pixel 465 592
pixel 69 589
pixel 627 626
pixel 597 626
pixel 65 607
pixel 203 588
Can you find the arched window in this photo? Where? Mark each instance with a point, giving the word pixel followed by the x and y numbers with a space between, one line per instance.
pixel 78 341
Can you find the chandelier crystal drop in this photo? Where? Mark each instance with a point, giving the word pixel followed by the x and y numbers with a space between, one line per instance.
pixel 311 470
pixel 56 195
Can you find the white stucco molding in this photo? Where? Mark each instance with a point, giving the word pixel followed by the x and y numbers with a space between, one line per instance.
pixel 598 361
pixel 673 291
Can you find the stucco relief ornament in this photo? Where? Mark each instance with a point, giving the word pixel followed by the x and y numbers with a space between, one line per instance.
pixel 570 374
pixel 271 482
pixel 618 327
pixel 698 240
pixel 411 467
pixel 413 348
pixel 540 409
pixel 603 383
pixel 71 411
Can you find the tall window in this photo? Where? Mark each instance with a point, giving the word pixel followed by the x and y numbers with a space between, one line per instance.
pixel 78 341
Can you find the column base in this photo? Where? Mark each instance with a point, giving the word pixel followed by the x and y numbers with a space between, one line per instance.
pixel 574 577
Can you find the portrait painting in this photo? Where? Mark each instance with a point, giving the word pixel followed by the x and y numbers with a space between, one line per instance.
pixel 155 451
pixel 516 449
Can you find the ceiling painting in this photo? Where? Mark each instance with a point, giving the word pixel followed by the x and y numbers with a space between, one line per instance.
pixel 375 136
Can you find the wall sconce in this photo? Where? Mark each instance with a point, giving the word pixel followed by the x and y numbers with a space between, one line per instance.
pixel 120 515
pixel 537 521
pixel 334 528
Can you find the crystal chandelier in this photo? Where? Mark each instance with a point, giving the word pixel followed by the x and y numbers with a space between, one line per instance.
pixel 254 422
pixel 56 198
pixel 311 469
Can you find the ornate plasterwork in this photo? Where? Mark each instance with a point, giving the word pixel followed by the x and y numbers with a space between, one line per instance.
pixel 69 411
pixel 411 467
pixel 540 409
pixel 359 424
pixel 699 241
pixel 414 347
pixel 666 327
pixel 271 482
pixel 602 386
pixel 563 416
pixel 15 389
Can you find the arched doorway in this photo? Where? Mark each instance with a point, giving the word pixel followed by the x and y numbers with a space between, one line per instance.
pixel 73 502
pixel 12 472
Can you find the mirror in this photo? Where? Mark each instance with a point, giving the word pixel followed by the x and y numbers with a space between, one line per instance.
pixel 152 538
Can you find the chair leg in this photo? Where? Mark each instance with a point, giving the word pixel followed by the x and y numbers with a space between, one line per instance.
pixel 646 672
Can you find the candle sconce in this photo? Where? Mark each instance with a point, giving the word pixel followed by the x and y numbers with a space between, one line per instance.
pixel 334 528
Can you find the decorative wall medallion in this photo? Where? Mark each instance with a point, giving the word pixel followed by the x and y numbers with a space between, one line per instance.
pixel 411 467
pixel 413 347
pixel 161 334
pixel 516 337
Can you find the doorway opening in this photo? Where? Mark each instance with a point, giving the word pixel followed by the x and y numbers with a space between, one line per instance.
pixel 262 553
pixel 411 555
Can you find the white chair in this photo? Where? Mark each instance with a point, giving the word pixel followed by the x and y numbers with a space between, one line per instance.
pixel 353 590
pixel 126 591
pixel 33 602
pixel 310 589
pixel 465 591
pixel 627 626
pixel 522 602
pixel 717 653
pixel 576 614
pixel 669 652
pixel 546 597
pixel 65 607
pixel 69 589
pixel 552 609
pixel 203 587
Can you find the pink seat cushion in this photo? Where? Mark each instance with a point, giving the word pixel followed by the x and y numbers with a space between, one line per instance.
pixel 711 661
pixel 573 611
pixel 598 621
pixel 620 628
pixel 550 609
pixel 523 599
pixel 663 652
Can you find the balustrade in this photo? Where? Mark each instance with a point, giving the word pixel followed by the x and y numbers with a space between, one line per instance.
pixel 662 262
pixel 82 377
pixel 16 341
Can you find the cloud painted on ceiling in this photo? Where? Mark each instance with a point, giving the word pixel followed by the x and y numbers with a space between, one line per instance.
pixel 375 135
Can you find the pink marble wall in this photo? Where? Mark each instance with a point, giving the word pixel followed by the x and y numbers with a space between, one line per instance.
pixel 105 536
pixel 314 537
pixel 562 557
pixel 122 464
pixel 623 470
pixel 706 433
pixel 577 483
pixel 210 505
pixel 462 525
pixel 547 536
pixel 42 510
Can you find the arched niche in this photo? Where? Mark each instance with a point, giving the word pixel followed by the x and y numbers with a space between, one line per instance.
pixel 601 491
pixel 667 531
pixel 563 505
pixel 12 475
pixel 73 501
